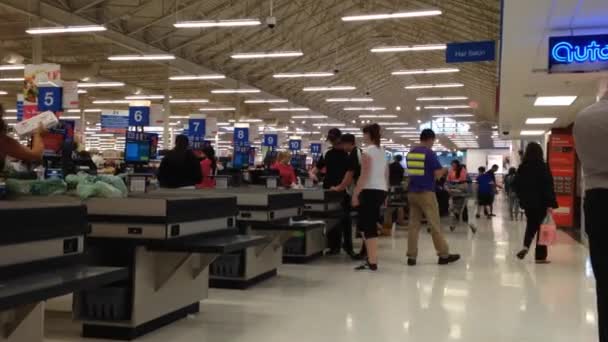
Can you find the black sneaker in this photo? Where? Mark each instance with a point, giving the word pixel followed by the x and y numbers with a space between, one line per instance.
pixel 522 254
pixel 367 266
pixel 448 259
pixel 411 262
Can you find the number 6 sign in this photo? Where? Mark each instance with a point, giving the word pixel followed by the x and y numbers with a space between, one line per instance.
pixel 139 116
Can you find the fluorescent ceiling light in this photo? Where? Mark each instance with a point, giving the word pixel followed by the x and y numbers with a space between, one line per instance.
pixel 453 115
pixel 379 116
pixel 396 15
pixel 352 99
pixel 364 108
pixel 334 88
pixel 278 54
pixel 81 91
pixel 429 47
pixel 11 110
pixel 66 29
pixel 392 123
pixel 303 74
pixel 447 107
pixel 100 84
pixel 539 132
pixel 425 71
pixel 179 117
pixel 189 101
pixel 554 100
pixel 145 97
pixel 197 77
pixel 442 98
pixel 439 85
pixel 146 57
pixel 235 91
pixel 266 101
pixel 338 124
pixel 289 109
pixel 218 23
pixel 540 121
pixel 68 117
pixel 2 92
pixel 402 128
pixel 309 117
pixel 111 101
pixel 218 109
pixel 12 67
pixel 12 79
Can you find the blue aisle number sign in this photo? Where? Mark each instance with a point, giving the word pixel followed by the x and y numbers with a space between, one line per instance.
pixel 139 116
pixel 271 140
pixel 196 127
pixel 315 148
pixel 295 145
pixel 50 98
pixel 241 134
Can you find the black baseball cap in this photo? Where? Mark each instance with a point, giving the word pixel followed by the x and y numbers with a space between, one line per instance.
pixel 334 134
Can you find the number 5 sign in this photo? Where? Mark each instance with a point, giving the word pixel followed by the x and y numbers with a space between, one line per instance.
pixel 139 116
pixel 49 98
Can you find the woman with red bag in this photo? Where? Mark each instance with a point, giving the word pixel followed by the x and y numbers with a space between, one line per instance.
pixel 534 187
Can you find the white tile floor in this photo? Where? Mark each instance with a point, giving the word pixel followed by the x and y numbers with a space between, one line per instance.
pixel 488 296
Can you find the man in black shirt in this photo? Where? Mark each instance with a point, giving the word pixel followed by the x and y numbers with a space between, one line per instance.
pixel 396 171
pixel 334 161
pixel 353 171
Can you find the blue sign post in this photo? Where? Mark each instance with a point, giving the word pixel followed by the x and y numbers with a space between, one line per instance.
pixel 578 53
pixel 470 52
pixel 315 148
pixel 270 140
pixel 196 127
pixel 139 116
pixel 240 157
pixel 50 98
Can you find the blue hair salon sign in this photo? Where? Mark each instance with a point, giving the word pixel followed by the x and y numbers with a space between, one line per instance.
pixel 578 53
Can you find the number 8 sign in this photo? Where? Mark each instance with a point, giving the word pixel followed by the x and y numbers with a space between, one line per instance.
pixel 241 134
pixel 139 116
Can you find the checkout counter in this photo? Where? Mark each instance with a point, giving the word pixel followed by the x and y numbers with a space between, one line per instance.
pixel 167 242
pixel 41 257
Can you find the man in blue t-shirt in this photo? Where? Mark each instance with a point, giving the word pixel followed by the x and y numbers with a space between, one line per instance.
pixel 485 192
pixel 423 170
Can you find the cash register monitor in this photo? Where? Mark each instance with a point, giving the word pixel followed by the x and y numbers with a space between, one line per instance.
pixel 137 152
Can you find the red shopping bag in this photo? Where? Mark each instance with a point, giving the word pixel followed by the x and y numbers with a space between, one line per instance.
pixel 548 231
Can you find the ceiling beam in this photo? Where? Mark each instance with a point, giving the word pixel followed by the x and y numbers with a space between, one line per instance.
pixel 92 3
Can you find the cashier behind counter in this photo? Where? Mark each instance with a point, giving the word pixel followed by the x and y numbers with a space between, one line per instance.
pixel 12 148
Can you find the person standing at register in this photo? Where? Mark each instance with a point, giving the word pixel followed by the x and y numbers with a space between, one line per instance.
pixel 180 167
pixel 12 148
pixel 590 132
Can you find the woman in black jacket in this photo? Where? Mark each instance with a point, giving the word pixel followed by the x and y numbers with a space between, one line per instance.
pixel 534 186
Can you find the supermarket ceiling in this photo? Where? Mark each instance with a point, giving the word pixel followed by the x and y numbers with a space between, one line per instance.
pixel 328 44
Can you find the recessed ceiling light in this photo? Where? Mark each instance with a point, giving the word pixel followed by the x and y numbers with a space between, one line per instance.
pixel 197 77
pixel 554 100
pixel 447 107
pixel 145 57
pixel 65 29
pixel 235 91
pixel 218 109
pixel 352 99
pixel 439 85
pixel 217 23
pixel 396 15
pixel 533 132
pixel 425 71
pixel 442 98
pixel 333 88
pixel 289 109
pixel 100 84
pixel 364 108
pixel 266 101
pixel 12 67
pixel 540 121
pixel 145 97
pixel 429 47
pixel 278 54
pixel 303 74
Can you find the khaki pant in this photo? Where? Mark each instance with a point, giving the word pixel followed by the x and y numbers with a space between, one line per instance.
pixel 388 217
pixel 424 203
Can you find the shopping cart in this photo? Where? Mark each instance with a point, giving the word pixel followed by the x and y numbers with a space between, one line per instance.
pixel 460 193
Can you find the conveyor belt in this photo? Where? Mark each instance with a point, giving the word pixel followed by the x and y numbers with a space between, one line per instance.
pixel 53 283
pixel 42 220
pixel 215 245
pixel 261 198
pixel 291 227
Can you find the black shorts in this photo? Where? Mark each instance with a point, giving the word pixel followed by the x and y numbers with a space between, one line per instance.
pixel 485 199
pixel 370 202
